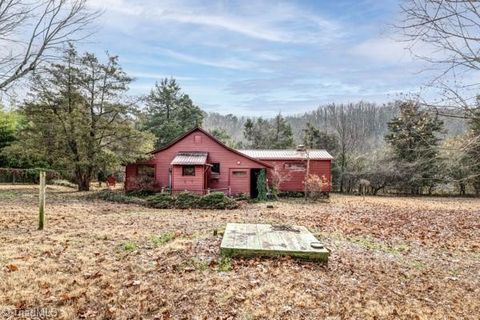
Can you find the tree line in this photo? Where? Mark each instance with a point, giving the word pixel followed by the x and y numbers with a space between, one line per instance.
pixel 400 147
pixel 78 117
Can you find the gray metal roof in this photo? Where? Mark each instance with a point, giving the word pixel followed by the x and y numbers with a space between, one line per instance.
pixel 289 154
pixel 190 158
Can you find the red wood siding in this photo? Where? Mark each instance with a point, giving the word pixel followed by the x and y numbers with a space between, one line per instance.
pixel 297 177
pixel 198 141
pixel 190 183
pixel 229 161
pixel 130 175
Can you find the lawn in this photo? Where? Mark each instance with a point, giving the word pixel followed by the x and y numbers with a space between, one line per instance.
pixel 410 258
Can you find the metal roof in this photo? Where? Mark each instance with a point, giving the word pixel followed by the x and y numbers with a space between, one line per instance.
pixel 190 158
pixel 289 154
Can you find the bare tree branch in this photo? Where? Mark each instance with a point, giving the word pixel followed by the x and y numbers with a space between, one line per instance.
pixel 31 32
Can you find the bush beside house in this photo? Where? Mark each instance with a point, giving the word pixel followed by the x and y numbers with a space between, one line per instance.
pixel 184 200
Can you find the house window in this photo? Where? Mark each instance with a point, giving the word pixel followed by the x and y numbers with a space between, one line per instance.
pixel 297 166
pixel 239 173
pixel 147 171
pixel 216 167
pixel 188 170
pixel 197 139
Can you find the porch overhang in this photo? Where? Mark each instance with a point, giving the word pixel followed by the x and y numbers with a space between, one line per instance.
pixel 190 158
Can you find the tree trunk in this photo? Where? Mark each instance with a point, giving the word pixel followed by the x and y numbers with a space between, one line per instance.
pixel 462 188
pixel 83 178
pixel 84 184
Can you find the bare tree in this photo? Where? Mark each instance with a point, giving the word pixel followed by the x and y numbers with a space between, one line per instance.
pixel 446 34
pixel 347 132
pixel 279 176
pixel 32 31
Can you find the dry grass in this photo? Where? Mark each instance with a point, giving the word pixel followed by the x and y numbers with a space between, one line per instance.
pixel 392 258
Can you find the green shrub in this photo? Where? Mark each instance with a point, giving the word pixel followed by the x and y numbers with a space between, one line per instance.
pixel 140 193
pixel 113 196
pixel 187 200
pixel 184 200
pixel 290 194
pixel 217 200
pixel 161 201
pixel 242 196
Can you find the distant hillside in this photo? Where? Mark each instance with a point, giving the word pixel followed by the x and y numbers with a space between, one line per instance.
pixel 366 120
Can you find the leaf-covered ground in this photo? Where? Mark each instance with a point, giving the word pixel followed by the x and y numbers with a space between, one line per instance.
pixel 410 258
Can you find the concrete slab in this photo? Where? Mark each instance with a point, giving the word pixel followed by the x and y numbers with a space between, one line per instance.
pixel 250 240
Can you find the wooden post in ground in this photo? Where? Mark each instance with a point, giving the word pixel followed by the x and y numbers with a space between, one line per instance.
pixel 41 203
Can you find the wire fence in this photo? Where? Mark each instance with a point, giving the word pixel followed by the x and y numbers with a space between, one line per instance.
pixel 32 175
pixel 16 175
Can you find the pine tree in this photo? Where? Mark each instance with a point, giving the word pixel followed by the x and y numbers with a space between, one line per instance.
pixel 282 137
pixel 314 138
pixel 414 139
pixel 223 136
pixel 268 134
pixel 170 112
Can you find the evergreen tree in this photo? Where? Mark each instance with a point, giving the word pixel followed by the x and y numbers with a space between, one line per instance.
pixel 170 112
pixel 223 136
pixel 282 137
pixel 414 139
pixel 314 138
pixel 265 134
pixel 262 185
pixel 77 119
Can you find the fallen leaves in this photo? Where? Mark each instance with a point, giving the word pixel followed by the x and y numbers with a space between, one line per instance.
pixel 12 267
pixel 392 258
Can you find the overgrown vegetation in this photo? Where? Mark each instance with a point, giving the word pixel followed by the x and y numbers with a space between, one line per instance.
pixel 217 200
pixel 262 186
pixel 184 200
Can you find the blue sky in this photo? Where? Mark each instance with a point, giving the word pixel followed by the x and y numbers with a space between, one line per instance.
pixel 259 58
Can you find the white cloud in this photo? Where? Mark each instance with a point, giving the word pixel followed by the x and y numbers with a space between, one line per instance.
pixel 158 76
pixel 383 49
pixel 229 63
pixel 269 21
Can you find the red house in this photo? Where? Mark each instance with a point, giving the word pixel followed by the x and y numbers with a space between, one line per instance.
pixel 198 162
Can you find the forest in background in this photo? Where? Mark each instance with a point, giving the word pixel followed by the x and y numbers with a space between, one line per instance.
pixel 369 119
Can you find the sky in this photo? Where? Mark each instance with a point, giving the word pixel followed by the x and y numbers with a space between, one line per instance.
pixel 259 58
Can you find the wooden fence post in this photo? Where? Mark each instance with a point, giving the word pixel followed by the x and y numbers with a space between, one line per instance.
pixel 41 195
